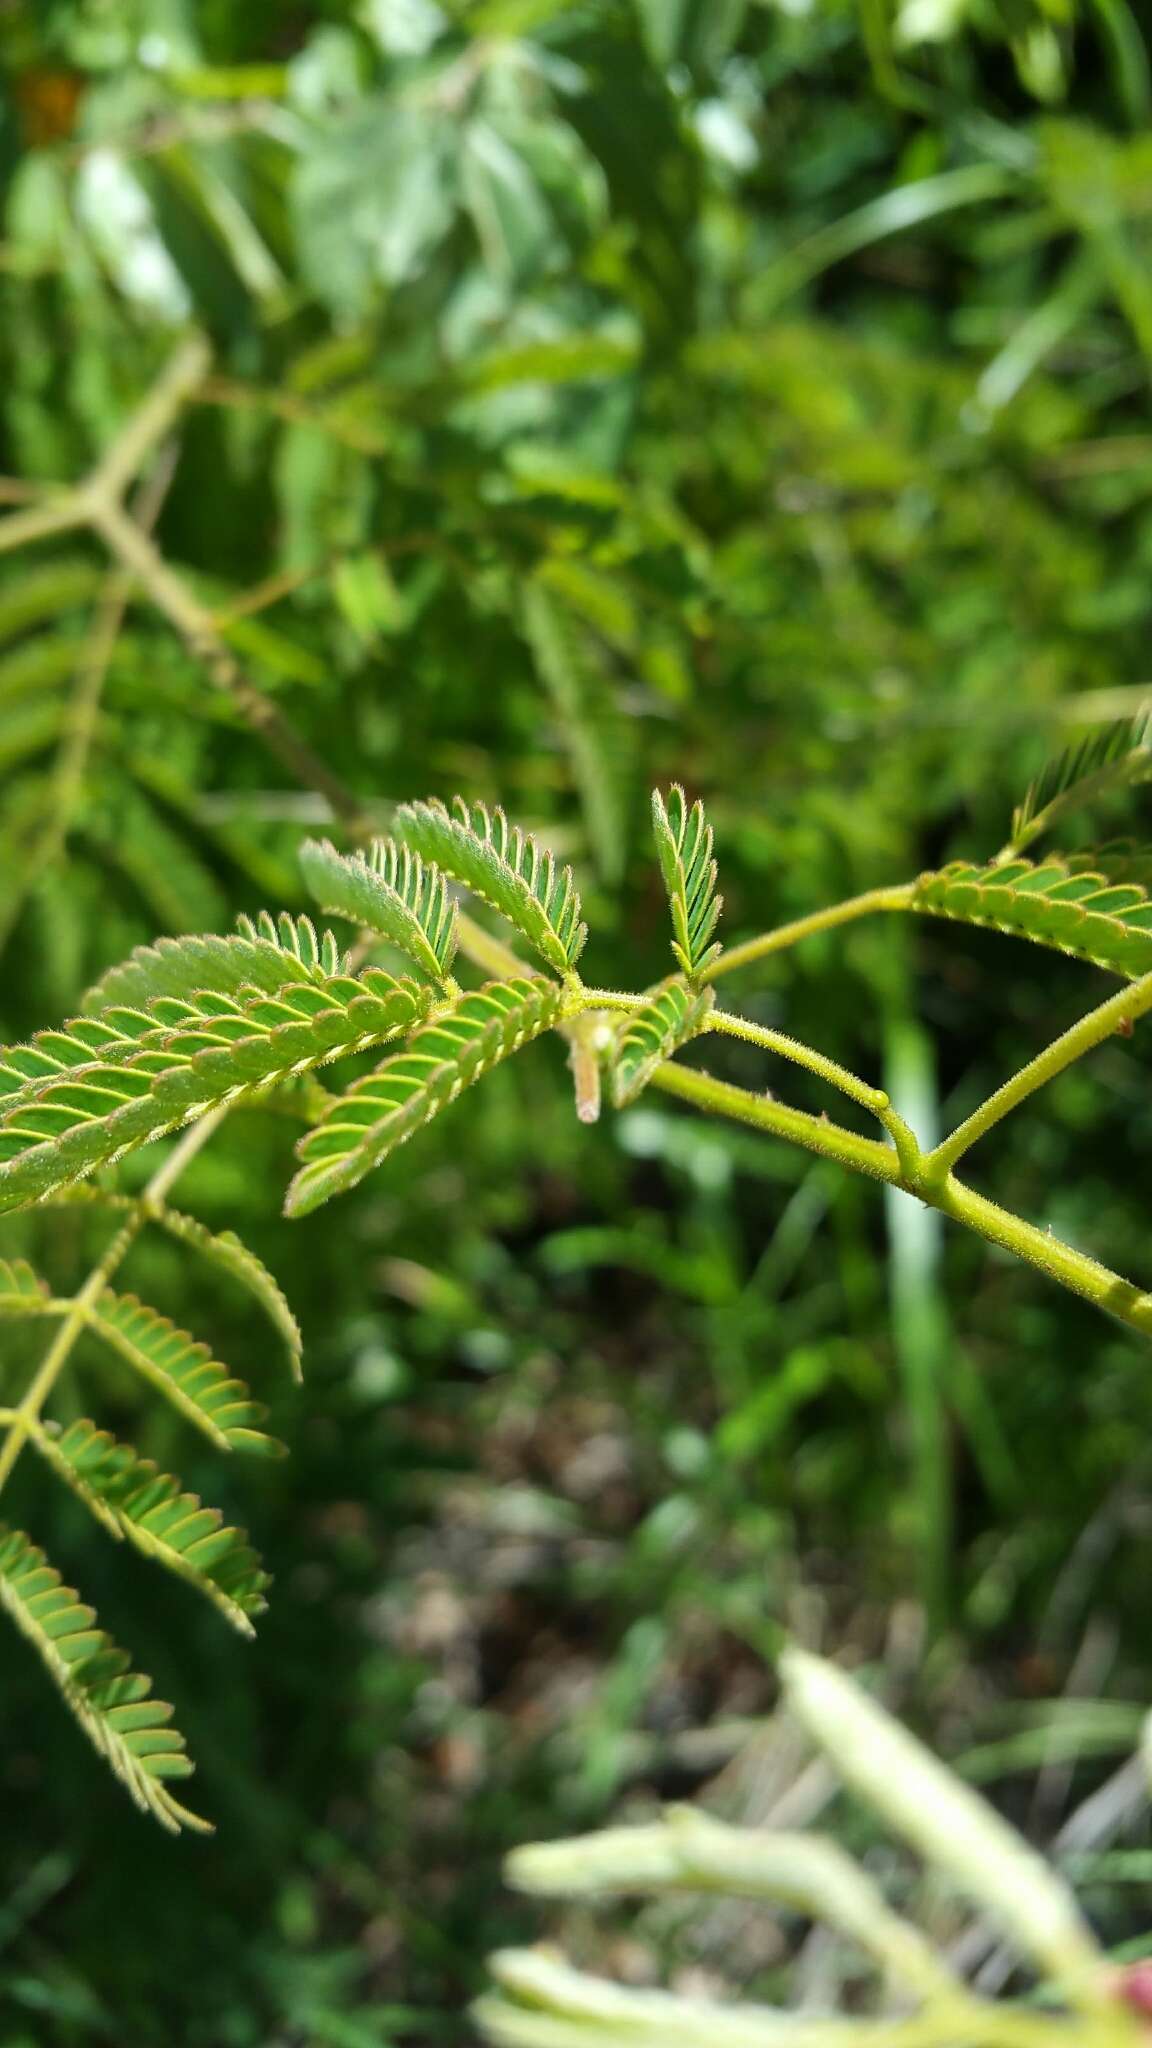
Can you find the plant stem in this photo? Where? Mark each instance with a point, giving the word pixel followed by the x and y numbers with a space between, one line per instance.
pixel 76 745
pixel 152 419
pixel 22 1419
pixel 815 1134
pixel 1061 1262
pixel 1123 1008
pixel 897 898
pixel 96 504
pixel 612 999
pixel 801 1055
pixel 542 2002
pixel 59 511
pixel 197 628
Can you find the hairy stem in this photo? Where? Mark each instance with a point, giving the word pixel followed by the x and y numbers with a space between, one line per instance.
pixel 1036 1247
pixel 898 898
pixel 1061 1262
pixel 1109 1016
pixel 849 1084
pixel 815 1134
pixel 21 1420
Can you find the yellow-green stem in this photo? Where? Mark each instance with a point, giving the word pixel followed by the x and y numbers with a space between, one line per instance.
pixel 1122 1008
pixel 815 1134
pixel 1036 1247
pixel 818 1063
pixel 898 898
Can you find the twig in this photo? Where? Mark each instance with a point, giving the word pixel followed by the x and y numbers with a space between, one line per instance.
pixel 76 746
pixel 198 629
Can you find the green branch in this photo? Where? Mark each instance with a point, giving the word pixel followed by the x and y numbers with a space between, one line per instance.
pixel 815 1134
pixel 1036 1247
pixel 849 1084
pixel 785 935
pixel 1110 1016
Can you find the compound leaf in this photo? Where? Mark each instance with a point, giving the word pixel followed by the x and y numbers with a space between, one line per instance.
pixel 375 1115
pixel 392 891
pixel 684 844
pixel 263 955
pixel 111 1702
pixel 1109 758
pixel 81 1098
pixel 184 1371
pixel 505 867
pixel 1109 923
pixel 222 1248
pixel 150 1510
pixel 672 1015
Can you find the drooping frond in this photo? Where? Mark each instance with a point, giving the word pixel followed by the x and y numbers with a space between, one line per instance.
pixel 111 1702
pixel 505 867
pixel 379 1112
pixel 392 891
pixel 22 1292
pixel 150 1510
pixel 81 1098
pixel 684 844
pixel 1108 758
pixel 184 1371
pixel 263 956
pixel 222 1249
pixel 1109 923
pixel 672 1015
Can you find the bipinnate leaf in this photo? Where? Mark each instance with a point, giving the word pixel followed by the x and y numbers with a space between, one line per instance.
pixel 265 955
pixel 684 845
pixel 227 1251
pixel 672 1014
pixel 505 867
pixel 1109 923
pixel 149 1509
pixel 222 1249
pixel 377 1113
pixel 1109 758
pixel 75 1100
pixel 392 891
pixel 112 1703
pixel 184 1371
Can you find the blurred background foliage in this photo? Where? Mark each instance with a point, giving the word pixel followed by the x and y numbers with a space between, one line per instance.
pixel 602 392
